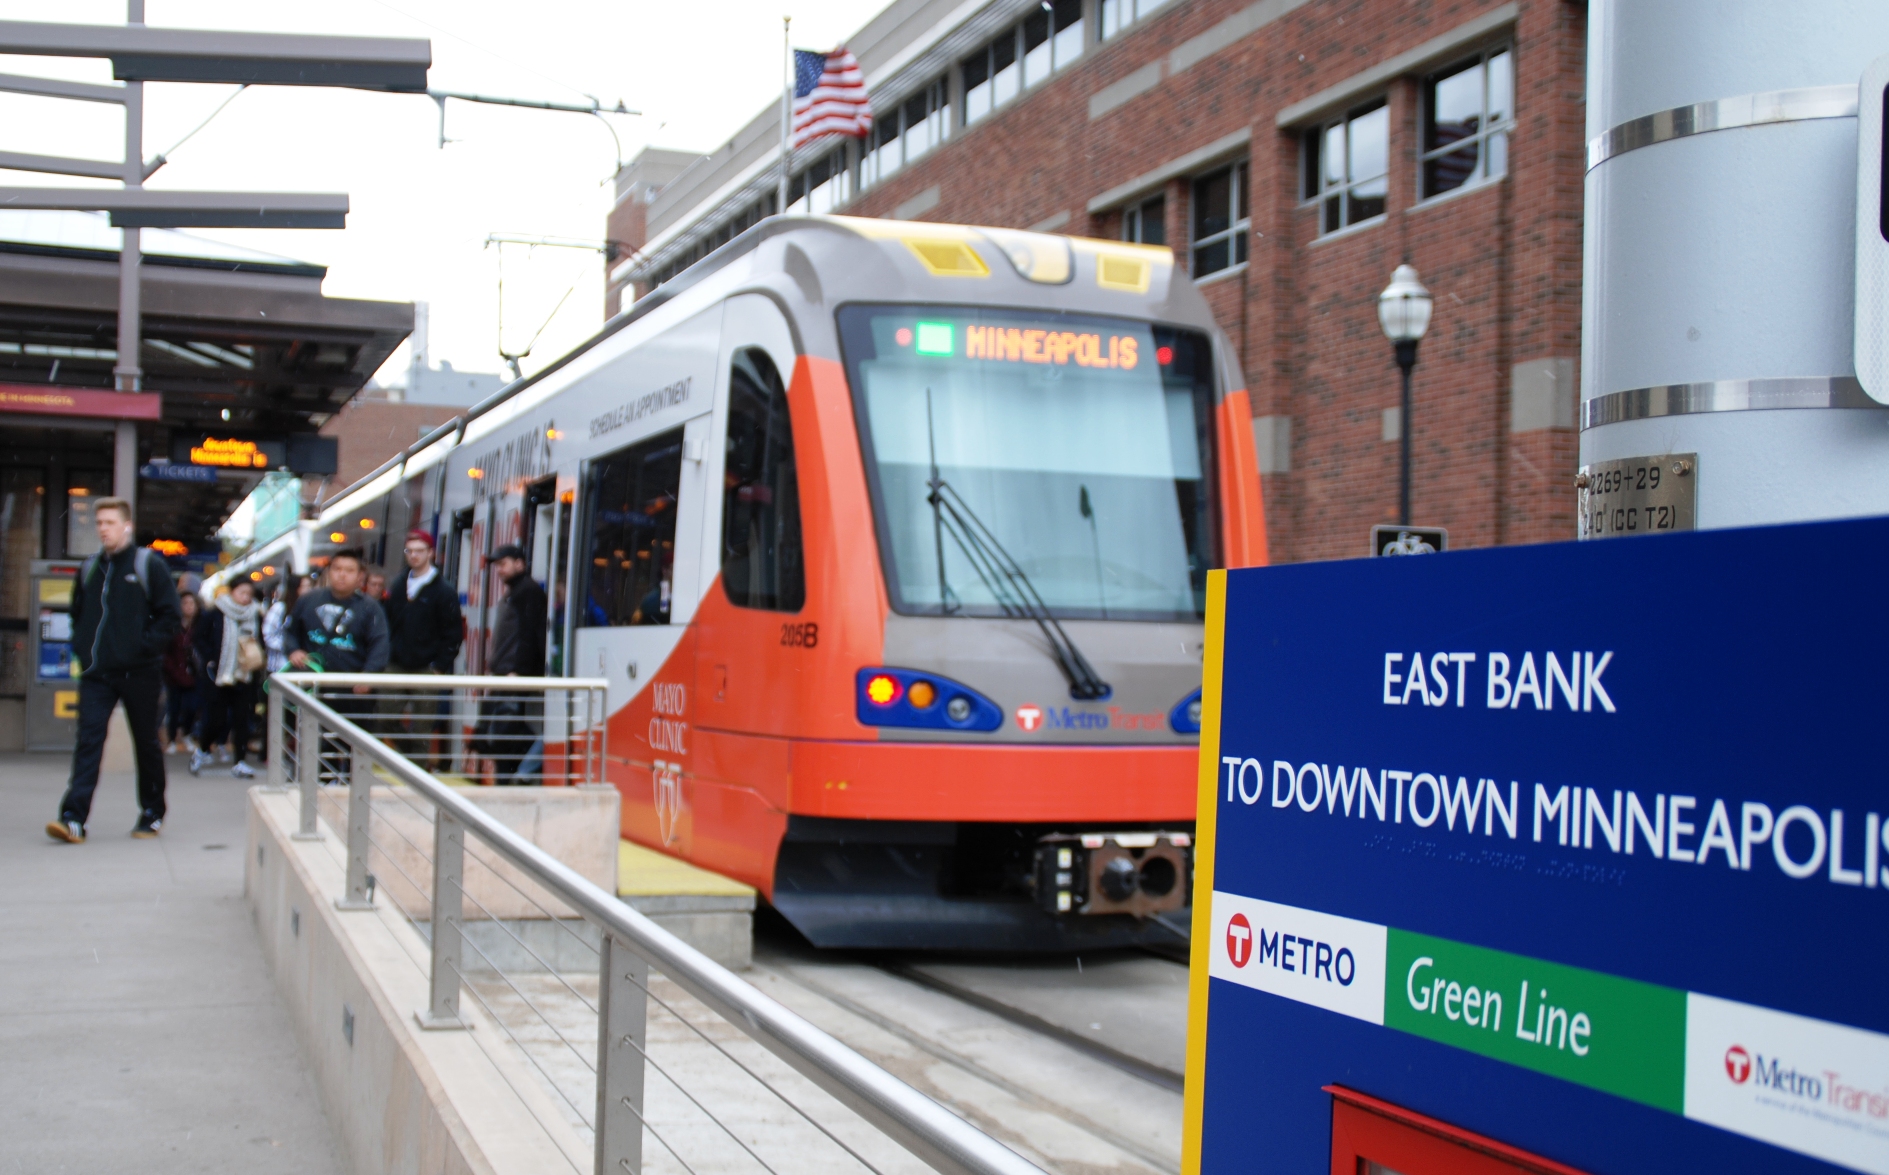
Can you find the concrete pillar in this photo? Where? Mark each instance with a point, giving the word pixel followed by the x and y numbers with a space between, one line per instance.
pixel 1718 291
pixel 125 462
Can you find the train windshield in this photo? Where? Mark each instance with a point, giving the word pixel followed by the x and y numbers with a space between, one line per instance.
pixel 1016 455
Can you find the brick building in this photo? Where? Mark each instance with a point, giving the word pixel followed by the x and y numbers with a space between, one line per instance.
pixel 1292 153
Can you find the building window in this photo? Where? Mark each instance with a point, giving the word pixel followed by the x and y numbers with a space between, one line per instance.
pixel 1146 223
pixel 821 188
pixel 1346 167
pixel 1220 220
pixel 905 134
pixel 1117 15
pixel 1022 56
pixel 1468 112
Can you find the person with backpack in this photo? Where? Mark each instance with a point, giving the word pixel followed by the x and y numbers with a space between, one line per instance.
pixel 180 680
pixel 124 613
pixel 230 648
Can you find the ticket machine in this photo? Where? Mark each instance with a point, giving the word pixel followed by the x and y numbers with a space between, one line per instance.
pixel 52 690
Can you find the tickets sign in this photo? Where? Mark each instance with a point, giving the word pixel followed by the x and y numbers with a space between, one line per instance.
pixel 1512 843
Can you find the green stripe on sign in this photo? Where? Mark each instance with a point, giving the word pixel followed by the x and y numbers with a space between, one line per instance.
pixel 1618 1035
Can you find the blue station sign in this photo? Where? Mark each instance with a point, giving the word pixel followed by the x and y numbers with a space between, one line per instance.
pixel 1565 858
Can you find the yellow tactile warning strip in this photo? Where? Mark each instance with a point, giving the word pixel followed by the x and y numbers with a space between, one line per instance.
pixel 1194 1091
pixel 645 872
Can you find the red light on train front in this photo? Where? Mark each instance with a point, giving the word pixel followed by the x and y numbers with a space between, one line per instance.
pixel 883 689
pixel 903 336
pixel 1164 355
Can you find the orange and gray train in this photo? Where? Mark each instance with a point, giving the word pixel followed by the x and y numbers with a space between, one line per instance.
pixel 892 540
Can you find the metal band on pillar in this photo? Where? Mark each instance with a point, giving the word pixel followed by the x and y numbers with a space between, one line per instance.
pixel 1722 115
pixel 1724 395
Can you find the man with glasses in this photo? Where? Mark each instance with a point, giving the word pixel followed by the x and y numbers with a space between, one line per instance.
pixel 426 629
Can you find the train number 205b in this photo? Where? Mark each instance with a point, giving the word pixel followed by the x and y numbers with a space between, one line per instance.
pixel 800 636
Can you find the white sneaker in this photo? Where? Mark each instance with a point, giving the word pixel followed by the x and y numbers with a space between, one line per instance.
pixel 198 761
pixel 243 771
pixel 222 754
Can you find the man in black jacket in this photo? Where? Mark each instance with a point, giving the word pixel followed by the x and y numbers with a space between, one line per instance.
pixel 425 631
pixel 124 613
pixel 517 651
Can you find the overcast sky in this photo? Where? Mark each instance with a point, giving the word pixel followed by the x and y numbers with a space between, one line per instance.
pixel 420 215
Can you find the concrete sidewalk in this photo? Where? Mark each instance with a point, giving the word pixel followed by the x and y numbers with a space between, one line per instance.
pixel 139 1028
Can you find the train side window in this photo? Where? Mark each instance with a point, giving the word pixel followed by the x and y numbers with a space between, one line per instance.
pixel 630 533
pixel 761 556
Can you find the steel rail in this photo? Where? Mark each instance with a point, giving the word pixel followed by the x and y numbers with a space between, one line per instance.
pixel 932 1133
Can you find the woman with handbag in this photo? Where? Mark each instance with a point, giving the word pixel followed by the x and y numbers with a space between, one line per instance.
pixel 229 641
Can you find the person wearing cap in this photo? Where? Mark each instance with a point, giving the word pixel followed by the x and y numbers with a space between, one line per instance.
pixel 425 630
pixel 517 651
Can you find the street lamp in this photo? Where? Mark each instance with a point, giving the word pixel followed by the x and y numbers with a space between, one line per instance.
pixel 1403 310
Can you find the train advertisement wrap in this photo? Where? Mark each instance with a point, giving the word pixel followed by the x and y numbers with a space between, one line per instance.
pixel 1568 887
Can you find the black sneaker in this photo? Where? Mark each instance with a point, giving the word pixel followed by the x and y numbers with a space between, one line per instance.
pixel 147 827
pixel 70 831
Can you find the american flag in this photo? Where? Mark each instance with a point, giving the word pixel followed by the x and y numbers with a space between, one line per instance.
pixel 829 96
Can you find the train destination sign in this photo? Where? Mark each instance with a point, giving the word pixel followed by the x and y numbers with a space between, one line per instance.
pixel 1599 889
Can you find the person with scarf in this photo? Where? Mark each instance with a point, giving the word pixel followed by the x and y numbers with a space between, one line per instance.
pixel 231 620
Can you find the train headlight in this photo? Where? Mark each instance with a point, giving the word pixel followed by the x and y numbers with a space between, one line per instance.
pixel 902 697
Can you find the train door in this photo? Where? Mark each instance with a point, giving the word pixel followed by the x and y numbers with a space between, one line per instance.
pixel 465 558
pixel 750 678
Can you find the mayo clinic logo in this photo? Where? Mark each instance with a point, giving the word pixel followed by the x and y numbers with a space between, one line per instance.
pixel 1239 940
pixel 1738 1064
pixel 1029 717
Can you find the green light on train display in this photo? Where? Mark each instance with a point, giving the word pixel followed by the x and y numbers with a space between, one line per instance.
pixel 934 338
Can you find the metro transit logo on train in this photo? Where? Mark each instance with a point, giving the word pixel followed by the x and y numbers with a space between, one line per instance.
pixel 1032 717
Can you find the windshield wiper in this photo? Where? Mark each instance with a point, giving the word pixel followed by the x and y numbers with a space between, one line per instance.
pixel 1009 585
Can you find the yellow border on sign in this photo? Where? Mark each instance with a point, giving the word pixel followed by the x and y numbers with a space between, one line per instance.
pixel 1207 788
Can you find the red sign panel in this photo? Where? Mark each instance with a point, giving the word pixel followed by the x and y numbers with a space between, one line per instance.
pixel 50 400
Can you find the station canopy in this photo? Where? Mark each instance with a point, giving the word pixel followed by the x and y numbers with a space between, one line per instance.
pixel 227 329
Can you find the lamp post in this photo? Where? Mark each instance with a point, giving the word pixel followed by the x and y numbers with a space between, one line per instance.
pixel 1403 310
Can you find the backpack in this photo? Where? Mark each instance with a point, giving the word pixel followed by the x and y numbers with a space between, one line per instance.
pixel 142 562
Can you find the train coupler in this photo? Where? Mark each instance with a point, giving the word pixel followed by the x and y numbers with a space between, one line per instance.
pixel 1136 873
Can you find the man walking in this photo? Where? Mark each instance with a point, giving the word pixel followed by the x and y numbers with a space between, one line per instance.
pixel 124 612
pixel 338 629
pixel 517 651
pixel 425 631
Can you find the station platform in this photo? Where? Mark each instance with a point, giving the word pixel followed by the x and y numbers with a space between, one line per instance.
pixel 142 1029
pixel 706 910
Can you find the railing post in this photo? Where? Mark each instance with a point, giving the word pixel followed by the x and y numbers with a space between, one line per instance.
pixel 449 873
pixel 308 771
pixel 360 811
pixel 275 745
pixel 622 1035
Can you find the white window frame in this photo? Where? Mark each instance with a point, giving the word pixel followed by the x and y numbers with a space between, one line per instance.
pixel 1115 17
pixel 1239 195
pixel 1485 131
pixel 1027 70
pixel 878 164
pixel 1315 191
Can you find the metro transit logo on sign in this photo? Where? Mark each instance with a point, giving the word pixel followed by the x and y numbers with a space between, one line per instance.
pixel 1239 940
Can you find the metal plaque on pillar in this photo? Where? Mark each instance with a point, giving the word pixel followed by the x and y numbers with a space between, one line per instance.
pixel 1638 495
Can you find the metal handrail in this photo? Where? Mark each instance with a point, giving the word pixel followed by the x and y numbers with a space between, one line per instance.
pixel 302 677
pixel 936 1136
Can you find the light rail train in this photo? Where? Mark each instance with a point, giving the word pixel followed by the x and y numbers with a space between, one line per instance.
pixel 892 540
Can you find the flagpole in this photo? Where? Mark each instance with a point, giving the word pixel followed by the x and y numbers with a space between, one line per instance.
pixel 787 107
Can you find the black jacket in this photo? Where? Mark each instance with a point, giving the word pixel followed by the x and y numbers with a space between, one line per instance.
pixel 518 636
pixel 426 630
pixel 115 625
pixel 346 636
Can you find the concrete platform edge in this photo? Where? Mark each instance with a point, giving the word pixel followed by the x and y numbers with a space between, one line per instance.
pixel 401 1099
